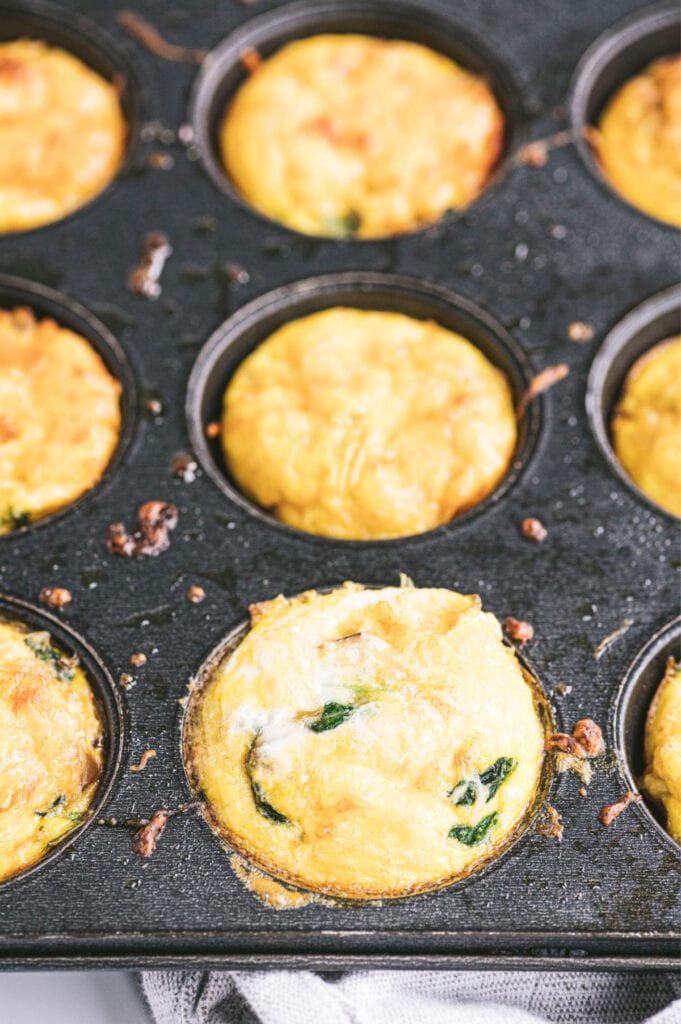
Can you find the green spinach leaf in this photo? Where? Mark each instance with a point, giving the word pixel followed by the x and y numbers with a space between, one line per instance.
pixel 496 774
pixel 331 716
pixel 473 835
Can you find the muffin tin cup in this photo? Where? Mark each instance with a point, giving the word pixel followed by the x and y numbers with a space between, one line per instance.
pixel 45 302
pixel 253 323
pixel 655 320
pixel 57 26
pixel 222 73
pixel 631 708
pixel 226 647
pixel 108 703
pixel 619 54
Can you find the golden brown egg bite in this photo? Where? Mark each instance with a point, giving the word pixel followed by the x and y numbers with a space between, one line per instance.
pixel 646 426
pixel 62 134
pixel 350 135
pixel 51 746
pixel 60 417
pixel 662 779
pixel 367 743
pixel 367 425
pixel 638 140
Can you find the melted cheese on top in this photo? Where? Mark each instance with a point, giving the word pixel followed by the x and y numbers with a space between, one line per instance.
pixel 361 801
pixel 638 141
pixel 62 134
pixel 59 417
pixel 646 427
pixel 662 779
pixel 51 739
pixel 353 135
pixel 366 425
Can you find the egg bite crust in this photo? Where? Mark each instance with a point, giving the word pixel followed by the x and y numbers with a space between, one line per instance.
pixel 60 417
pixel 367 425
pixel 350 744
pixel 662 779
pixel 51 740
pixel 62 134
pixel 638 140
pixel 646 426
pixel 350 135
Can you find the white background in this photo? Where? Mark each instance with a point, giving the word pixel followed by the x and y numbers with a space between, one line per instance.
pixel 71 997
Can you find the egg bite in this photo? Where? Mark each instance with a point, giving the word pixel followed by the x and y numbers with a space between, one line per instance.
pixel 646 426
pixel 62 134
pixel 367 743
pixel 355 136
pixel 638 140
pixel 662 778
pixel 366 425
pixel 60 417
pixel 51 746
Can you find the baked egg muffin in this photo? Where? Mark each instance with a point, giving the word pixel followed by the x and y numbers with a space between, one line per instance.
pixel 62 134
pixel 51 746
pixel 366 425
pixel 646 427
pixel 662 779
pixel 367 743
pixel 354 136
pixel 60 417
pixel 638 140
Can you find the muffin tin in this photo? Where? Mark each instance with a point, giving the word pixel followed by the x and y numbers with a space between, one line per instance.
pixel 545 247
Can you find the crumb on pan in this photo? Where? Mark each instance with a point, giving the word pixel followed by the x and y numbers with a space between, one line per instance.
pixel 540 383
pixel 518 630
pixel 612 811
pixel 146 756
pixel 586 740
pixel 549 824
pixel 141 30
pixel 607 642
pixel 250 59
pixel 138 659
pixel 156 519
pixel 580 332
pixel 55 597
pixel 196 594
pixel 145 839
pixel 533 529
pixel 145 279
pixel 212 430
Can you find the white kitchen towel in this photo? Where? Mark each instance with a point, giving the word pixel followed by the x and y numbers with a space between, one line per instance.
pixel 413 997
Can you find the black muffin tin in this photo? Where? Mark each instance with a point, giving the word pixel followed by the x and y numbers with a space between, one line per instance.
pixel 543 247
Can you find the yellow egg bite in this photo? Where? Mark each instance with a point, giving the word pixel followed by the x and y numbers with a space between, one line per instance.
pixel 349 135
pixel 662 778
pixel 62 134
pixel 646 427
pixel 51 740
pixel 60 417
pixel 367 425
pixel 367 743
pixel 638 141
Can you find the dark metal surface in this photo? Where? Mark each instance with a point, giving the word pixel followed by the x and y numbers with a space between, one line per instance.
pixel 546 246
